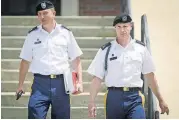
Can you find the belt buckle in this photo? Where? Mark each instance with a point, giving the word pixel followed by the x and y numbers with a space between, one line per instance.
pixel 125 88
pixel 53 76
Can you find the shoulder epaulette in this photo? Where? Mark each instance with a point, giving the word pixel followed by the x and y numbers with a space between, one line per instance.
pixel 35 28
pixel 65 27
pixel 106 45
pixel 139 42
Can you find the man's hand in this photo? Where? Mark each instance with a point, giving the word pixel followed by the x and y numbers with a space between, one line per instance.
pixel 79 88
pixel 94 89
pixel 19 92
pixel 92 110
pixel 77 76
pixel 23 70
pixel 20 88
pixel 164 107
pixel 155 89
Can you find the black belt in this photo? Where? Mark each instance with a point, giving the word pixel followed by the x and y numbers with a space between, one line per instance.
pixel 49 76
pixel 125 88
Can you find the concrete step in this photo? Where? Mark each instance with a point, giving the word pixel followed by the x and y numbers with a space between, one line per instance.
pixel 12 75
pixel 11 86
pixel 76 113
pixel 82 100
pixel 21 113
pixel 13 53
pixel 83 42
pixel 65 20
pixel 13 64
pixel 78 31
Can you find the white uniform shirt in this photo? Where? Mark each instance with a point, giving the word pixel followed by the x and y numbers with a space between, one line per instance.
pixel 49 53
pixel 124 65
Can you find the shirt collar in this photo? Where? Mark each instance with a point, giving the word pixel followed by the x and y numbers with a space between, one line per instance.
pixel 128 45
pixel 56 26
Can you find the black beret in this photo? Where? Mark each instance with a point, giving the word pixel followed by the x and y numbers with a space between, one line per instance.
pixel 125 18
pixel 44 5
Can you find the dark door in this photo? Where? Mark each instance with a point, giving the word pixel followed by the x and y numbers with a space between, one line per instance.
pixel 24 7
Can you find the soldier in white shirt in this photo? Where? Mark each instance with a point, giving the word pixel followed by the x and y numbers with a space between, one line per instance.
pixel 48 48
pixel 120 63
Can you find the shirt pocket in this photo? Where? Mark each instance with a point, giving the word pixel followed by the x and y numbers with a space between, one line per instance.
pixel 114 65
pixel 38 51
pixel 135 62
pixel 60 48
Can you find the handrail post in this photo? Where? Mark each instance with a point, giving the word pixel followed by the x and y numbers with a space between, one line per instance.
pixel 152 105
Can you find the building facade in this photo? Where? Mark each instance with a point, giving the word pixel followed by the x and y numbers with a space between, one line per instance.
pixel 63 7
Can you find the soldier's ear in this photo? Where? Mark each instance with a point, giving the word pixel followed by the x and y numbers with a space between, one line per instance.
pixel 54 12
pixel 132 24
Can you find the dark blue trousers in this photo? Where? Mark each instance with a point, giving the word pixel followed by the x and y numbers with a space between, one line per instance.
pixel 45 92
pixel 125 105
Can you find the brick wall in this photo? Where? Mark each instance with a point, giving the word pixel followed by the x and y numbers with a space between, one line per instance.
pixel 99 7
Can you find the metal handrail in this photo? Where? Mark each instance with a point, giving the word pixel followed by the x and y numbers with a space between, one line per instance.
pixel 152 112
